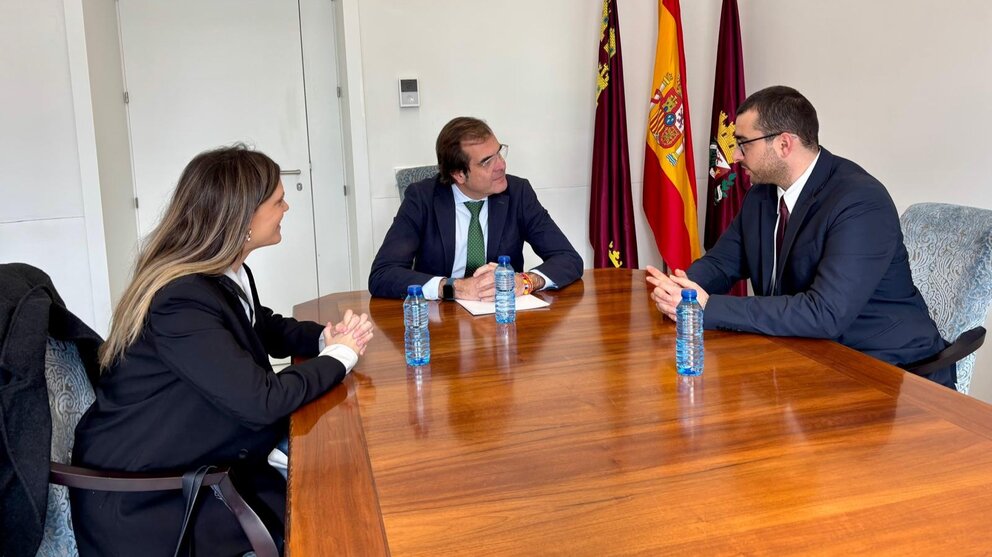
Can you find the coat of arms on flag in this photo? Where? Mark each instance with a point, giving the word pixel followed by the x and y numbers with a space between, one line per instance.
pixel 666 120
pixel 721 156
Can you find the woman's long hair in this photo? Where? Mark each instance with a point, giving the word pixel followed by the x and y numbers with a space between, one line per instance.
pixel 204 230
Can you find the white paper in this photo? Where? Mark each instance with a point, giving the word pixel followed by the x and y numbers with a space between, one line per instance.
pixel 280 461
pixel 486 308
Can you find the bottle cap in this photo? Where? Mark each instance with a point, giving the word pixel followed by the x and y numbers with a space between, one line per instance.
pixel 414 290
pixel 504 260
pixel 688 294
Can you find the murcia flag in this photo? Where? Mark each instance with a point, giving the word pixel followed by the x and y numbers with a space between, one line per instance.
pixel 669 183
pixel 611 210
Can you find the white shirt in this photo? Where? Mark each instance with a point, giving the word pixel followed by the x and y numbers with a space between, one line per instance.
pixel 463 217
pixel 791 196
pixel 240 277
pixel 339 352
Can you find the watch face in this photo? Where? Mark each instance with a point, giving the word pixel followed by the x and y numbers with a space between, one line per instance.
pixel 448 292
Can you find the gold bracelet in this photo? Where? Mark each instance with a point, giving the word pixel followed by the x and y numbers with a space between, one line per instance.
pixel 528 283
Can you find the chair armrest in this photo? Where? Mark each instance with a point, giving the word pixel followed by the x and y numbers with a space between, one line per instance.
pixel 966 344
pixel 98 480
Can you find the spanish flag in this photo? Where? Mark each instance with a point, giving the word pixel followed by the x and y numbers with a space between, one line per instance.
pixel 669 179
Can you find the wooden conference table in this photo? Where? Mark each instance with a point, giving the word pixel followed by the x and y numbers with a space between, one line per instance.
pixel 571 434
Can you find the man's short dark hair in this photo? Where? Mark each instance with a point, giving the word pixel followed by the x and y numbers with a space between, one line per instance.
pixel 450 156
pixel 783 109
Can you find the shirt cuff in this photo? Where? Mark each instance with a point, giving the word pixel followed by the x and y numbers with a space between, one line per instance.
pixel 430 289
pixel 343 354
pixel 548 283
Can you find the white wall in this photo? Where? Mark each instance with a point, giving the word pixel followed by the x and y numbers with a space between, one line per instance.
pixel 484 60
pixel 112 141
pixel 901 87
pixel 51 215
pixel 529 70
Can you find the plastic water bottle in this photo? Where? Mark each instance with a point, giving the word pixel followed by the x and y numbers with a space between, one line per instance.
pixel 417 338
pixel 506 303
pixel 689 335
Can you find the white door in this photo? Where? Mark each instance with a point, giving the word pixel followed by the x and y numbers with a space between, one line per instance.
pixel 206 73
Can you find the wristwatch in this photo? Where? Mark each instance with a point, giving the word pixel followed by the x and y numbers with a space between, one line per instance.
pixel 448 290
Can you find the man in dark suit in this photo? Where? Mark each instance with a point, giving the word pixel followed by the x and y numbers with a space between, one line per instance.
pixel 451 228
pixel 818 237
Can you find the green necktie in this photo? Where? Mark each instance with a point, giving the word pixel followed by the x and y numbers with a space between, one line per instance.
pixel 476 243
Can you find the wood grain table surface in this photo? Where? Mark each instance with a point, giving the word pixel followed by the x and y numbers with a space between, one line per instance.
pixel 570 433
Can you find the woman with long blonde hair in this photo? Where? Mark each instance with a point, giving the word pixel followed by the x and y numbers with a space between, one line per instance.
pixel 186 379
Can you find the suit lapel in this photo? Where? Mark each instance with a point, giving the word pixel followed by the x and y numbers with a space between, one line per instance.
pixel 817 179
pixel 498 207
pixel 231 291
pixel 444 210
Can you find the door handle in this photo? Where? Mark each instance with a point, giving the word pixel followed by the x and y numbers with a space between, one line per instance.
pixel 294 172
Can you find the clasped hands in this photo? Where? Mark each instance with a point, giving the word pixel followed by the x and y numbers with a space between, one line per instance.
pixel 482 284
pixel 667 291
pixel 354 331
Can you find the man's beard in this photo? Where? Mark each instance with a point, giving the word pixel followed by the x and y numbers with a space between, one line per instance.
pixel 775 172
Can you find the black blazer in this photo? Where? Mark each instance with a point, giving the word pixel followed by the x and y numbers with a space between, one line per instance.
pixel 843 273
pixel 195 389
pixel 31 311
pixel 420 244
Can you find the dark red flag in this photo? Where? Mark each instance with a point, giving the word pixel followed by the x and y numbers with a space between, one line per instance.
pixel 611 212
pixel 727 182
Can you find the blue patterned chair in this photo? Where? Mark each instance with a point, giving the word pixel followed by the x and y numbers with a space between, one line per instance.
pixel 69 395
pixel 411 175
pixel 950 254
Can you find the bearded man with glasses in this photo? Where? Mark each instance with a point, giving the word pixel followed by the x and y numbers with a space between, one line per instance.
pixel 450 229
pixel 819 239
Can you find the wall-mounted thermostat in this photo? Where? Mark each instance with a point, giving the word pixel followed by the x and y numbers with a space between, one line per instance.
pixel 409 93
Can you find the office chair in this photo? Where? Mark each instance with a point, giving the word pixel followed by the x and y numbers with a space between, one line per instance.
pixel 950 255
pixel 413 174
pixel 32 310
pixel 69 395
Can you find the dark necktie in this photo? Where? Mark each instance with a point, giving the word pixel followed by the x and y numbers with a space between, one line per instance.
pixel 783 220
pixel 476 256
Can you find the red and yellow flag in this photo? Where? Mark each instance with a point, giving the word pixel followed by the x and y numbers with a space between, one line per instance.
pixel 669 179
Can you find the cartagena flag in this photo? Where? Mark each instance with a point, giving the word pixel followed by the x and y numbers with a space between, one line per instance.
pixel 611 209
pixel 669 182
pixel 727 185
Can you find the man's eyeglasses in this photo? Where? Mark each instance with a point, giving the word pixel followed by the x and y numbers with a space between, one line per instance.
pixel 742 143
pixel 503 150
